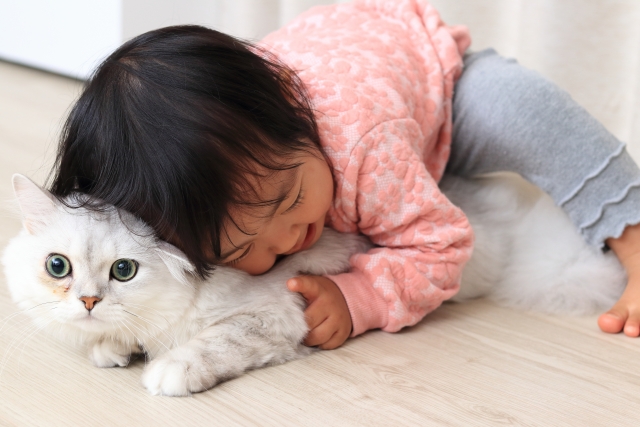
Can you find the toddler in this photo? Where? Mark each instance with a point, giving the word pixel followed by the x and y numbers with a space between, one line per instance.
pixel 347 117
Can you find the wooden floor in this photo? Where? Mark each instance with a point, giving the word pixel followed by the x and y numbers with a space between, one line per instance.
pixel 465 365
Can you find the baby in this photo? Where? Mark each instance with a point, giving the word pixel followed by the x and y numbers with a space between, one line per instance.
pixel 347 117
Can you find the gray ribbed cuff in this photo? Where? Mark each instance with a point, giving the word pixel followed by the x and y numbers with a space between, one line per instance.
pixel 608 199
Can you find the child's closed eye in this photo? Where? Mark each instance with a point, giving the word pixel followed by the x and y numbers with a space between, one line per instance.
pixel 241 257
pixel 296 203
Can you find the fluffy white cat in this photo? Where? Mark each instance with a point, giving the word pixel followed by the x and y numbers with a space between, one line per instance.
pixel 110 285
pixel 102 280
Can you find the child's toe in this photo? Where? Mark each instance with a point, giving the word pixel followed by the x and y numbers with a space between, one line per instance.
pixel 632 329
pixel 632 326
pixel 613 321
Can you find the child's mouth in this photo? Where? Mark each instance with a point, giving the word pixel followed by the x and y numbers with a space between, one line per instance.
pixel 308 238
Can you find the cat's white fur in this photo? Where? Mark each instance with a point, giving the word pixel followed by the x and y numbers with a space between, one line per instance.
pixel 527 255
pixel 196 333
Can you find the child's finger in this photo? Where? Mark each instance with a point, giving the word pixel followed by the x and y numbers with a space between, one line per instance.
pixel 304 285
pixel 314 315
pixel 338 338
pixel 320 334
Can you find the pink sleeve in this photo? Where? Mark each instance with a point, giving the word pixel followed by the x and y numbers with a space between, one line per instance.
pixel 424 240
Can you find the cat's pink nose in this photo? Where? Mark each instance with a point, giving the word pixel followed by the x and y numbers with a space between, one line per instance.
pixel 89 302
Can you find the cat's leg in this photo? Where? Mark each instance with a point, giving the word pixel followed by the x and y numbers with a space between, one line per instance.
pixel 219 353
pixel 109 352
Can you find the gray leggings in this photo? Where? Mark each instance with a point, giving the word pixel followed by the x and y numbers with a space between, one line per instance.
pixel 509 118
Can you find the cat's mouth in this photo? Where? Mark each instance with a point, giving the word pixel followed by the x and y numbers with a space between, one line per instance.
pixel 88 321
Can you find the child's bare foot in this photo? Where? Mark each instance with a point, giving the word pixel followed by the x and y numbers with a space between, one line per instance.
pixel 625 314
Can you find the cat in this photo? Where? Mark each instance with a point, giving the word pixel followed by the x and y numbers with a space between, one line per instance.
pixel 102 280
pixel 120 291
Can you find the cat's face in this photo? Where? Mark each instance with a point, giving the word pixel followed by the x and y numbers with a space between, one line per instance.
pixel 95 272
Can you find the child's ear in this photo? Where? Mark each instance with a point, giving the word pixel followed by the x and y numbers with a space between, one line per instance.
pixel 37 205
pixel 177 262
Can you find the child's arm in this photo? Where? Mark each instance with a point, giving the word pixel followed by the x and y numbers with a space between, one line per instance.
pixel 625 314
pixel 423 240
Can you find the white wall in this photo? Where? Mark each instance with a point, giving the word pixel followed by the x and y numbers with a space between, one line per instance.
pixel 64 36
pixel 70 37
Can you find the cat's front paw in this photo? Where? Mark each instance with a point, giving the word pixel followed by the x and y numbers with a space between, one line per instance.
pixel 110 353
pixel 179 372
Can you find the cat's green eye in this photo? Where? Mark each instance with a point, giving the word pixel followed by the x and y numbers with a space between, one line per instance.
pixel 124 269
pixel 58 266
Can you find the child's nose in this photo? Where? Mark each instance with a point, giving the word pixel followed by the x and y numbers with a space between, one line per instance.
pixel 285 239
pixel 282 245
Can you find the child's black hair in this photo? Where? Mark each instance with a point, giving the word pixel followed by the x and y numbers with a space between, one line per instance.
pixel 172 124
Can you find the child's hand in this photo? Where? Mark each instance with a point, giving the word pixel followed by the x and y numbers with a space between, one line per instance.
pixel 327 313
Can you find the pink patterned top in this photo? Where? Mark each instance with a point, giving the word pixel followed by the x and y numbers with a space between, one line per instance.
pixel 381 75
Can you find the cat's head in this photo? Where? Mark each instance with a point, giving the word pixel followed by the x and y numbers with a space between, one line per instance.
pixel 92 274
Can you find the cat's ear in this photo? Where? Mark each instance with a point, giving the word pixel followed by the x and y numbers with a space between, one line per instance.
pixel 37 205
pixel 177 262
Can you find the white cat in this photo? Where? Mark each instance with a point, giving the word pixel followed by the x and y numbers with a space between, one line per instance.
pixel 109 284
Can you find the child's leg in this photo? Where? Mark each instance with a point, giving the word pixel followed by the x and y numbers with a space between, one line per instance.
pixel 509 118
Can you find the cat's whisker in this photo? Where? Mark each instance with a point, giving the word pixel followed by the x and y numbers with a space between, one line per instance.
pixel 16 313
pixel 148 309
pixel 130 331
pixel 43 303
pixel 140 343
pixel 121 336
pixel 172 342
pixel 26 340
pixel 13 317
pixel 120 324
pixel 136 339
pixel 152 337
pixel 24 335
pixel 144 334
pixel 25 330
pixel 172 337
